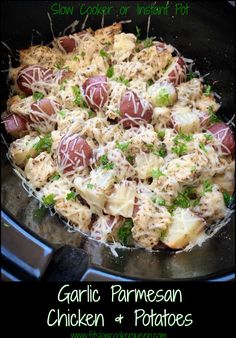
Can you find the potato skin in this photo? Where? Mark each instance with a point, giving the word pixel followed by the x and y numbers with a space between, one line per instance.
pixel 31 75
pixel 176 72
pixel 62 75
pixel 67 43
pixel 15 125
pixel 70 151
pixel 96 91
pixel 160 46
pixel 132 107
pixel 225 135
pixel 204 119
pixel 45 109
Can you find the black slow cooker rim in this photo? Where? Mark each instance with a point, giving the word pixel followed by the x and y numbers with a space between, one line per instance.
pixel 108 274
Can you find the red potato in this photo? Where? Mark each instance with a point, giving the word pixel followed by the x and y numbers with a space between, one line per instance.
pixel 111 223
pixel 82 34
pixel 30 76
pixel 134 110
pixel 42 109
pixel 96 91
pixel 15 125
pixel 62 75
pixel 73 152
pixel 225 135
pixel 160 46
pixel 67 43
pixel 176 72
pixel 204 119
pixel 96 233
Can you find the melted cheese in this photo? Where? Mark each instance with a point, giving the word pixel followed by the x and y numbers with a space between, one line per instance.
pixel 125 188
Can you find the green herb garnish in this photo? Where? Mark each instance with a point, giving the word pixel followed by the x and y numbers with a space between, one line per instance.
pixel 180 149
pixel 130 159
pixel 90 113
pixel 227 198
pixel 150 82
pixel 148 42
pixel 214 118
pixel 49 200
pixel 56 176
pixel 90 186
pixel 162 151
pixel 163 97
pixel 108 166
pixel 207 91
pixel 44 144
pixel 138 32
pixel 110 72
pixel 71 196
pixel 79 101
pixel 210 109
pixel 103 53
pixel 62 113
pixel 207 187
pixel 159 152
pixel 196 202
pixel 158 200
pixel 149 146
pixel 171 208
pixel 78 97
pixel 161 134
pixel 182 136
pixel 122 146
pixel 163 235
pixel 103 160
pixel 121 79
pixel 191 75
pixel 38 96
pixel 124 233
pixel 182 201
pixel 58 65
pixel 157 173
pixel 202 146
pixel 185 199
pixel 117 111
pixel 208 137
pixel 75 58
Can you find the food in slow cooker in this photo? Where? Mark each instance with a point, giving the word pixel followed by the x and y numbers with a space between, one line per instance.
pixel 121 138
